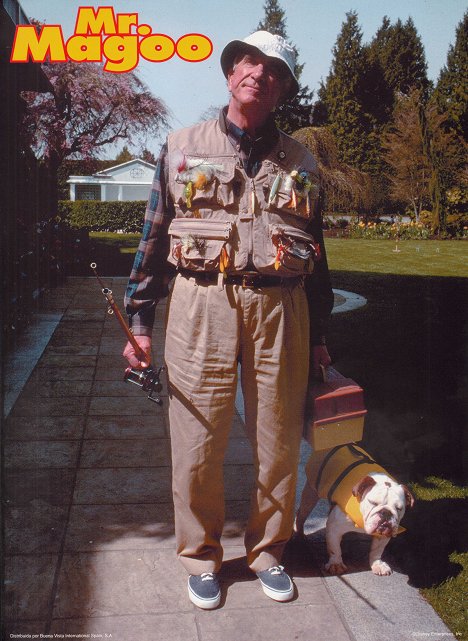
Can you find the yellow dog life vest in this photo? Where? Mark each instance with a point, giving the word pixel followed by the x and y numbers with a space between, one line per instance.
pixel 334 473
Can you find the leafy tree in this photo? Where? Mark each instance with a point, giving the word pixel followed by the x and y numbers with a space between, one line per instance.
pixel 446 152
pixel 343 186
pixel 451 93
pixel 87 110
pixel 405 155
pixel 297 111
pixel 424 158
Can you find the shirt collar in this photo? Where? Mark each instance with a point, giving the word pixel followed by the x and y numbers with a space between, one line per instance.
pixel 265 137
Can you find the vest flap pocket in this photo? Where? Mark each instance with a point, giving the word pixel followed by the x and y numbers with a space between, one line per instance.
pixel 199 244
pixel 293 240
pixel 286 193
pixel 200 228
pixel 227 185
pixel 294 249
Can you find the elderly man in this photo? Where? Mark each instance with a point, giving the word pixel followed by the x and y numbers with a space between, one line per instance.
pixel 235 209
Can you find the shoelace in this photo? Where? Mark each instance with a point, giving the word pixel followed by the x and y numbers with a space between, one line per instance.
pixel 276 569
pixel 207 576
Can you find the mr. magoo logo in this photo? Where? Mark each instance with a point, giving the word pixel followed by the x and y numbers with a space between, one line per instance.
pixel 118 40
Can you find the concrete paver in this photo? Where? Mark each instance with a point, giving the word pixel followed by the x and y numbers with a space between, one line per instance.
pixel 89 517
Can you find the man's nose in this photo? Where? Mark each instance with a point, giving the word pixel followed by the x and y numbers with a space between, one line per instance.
pixel 259 70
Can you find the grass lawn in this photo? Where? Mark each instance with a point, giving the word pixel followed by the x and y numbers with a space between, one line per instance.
pixel 407 349
pixel 126 243
pixel 416 258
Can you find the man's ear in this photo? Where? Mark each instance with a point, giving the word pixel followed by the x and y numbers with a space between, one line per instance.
pixel 362 487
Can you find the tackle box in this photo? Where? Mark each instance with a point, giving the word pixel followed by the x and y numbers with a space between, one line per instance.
pixel 335 411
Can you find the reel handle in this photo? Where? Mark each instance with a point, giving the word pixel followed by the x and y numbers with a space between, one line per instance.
pixel 148 379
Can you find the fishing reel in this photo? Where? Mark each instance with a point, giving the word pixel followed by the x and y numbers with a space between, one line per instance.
pixel 147 379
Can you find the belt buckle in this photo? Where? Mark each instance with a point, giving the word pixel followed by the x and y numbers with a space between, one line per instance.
pixel 248 281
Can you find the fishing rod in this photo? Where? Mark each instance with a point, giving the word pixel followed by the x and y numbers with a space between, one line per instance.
pixel 149 378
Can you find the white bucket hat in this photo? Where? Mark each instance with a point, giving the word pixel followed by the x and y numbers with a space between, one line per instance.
pixel 270 45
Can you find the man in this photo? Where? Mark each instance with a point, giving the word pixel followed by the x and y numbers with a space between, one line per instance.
pixel 235 207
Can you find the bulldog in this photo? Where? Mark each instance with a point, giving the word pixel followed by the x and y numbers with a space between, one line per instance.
pixel 364 499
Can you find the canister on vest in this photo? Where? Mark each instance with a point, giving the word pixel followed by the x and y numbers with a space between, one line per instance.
pixel 335 411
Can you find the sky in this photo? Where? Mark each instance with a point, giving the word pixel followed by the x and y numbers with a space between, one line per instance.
pixel 189 89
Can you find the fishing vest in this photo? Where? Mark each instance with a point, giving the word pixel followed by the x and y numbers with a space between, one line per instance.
pixel 226 221
pixel 334 473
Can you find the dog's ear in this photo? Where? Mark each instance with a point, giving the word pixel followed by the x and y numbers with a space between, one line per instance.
pixel 362 487
pixel 408 496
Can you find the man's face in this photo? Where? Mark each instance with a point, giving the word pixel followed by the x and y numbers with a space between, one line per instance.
pixel 257 81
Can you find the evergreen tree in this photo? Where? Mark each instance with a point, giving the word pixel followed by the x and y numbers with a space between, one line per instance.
pixel 398 51
pixel 124 156
pixel 148 156
pixel 297 111
pixel 451 93
pixel 274 20
pixel 341 96
pixel 358 98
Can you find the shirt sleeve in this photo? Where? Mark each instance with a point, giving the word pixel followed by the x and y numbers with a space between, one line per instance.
pixel 151 273
pixel 318 284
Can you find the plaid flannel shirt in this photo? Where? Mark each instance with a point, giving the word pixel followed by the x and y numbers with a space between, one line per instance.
pixel 151 273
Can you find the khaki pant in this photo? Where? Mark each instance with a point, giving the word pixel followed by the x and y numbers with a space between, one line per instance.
pixel 210 330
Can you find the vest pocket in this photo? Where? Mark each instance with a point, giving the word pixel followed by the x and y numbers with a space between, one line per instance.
pixel 200 244
pixel 283 193
pixel 293 251
pixel 204 184
pixel 227 186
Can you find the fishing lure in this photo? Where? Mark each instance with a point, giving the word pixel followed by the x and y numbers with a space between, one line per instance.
pixel 299 186
pixel 223 261
pixel 188 193
pixel 274 189
pixel 195 173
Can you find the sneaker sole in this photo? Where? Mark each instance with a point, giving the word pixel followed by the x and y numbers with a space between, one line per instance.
pixel 278 595
pixel 204 604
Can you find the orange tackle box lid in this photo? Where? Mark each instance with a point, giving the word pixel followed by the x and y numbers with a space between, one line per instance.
pixel 335 411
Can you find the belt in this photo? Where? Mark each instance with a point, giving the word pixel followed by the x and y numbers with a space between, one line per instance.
pixel 248 280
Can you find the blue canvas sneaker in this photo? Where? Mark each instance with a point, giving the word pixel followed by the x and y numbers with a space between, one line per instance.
pixel 276 583
pixel 204 590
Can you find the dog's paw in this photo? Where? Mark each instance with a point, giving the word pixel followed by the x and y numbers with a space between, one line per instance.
pixel 335 568
pixel 381 568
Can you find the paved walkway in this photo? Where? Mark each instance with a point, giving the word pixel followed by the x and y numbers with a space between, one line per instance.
pixel 89 542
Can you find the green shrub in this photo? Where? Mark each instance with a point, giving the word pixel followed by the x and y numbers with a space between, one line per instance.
pixel 96 215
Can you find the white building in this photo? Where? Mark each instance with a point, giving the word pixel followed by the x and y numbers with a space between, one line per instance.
pixel 129 181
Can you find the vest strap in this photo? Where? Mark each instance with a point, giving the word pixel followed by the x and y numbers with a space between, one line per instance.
pixel 362 459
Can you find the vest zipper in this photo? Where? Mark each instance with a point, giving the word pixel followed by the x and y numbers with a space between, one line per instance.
pixel 252 211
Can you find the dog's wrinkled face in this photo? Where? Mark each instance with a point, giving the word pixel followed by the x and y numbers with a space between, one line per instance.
pixel 382 503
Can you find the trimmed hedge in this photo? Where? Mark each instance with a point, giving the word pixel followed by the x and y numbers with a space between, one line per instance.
pixel 96 215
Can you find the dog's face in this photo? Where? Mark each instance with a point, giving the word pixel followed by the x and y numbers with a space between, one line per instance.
pixel 382 503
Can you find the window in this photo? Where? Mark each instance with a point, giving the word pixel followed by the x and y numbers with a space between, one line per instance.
pixel 88 192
